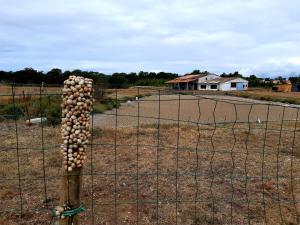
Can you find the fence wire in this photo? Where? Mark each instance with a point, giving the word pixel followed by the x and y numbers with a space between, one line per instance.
pixel 155 157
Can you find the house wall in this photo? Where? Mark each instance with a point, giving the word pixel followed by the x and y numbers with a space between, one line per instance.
pixel 208 87
pixel 199 86
pixel 204 79
pixel 245 86
pixel 218 87
pixel 208 77
pixel 227 85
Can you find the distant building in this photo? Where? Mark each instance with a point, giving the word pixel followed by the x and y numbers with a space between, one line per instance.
pixel 282 87
pixel 190 81
pixel 266 81
pixel 225 84
pixel 276 81
pixel 209 82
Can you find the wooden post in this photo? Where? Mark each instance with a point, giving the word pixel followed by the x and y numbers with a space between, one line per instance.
pixel 71 184
pixel 76 107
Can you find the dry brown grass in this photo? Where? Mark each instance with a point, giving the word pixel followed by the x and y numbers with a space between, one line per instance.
pixel 19 90
pixel 219 164
pixel 5 89
pixel 269 95
pixel 224 172
pixel 6 92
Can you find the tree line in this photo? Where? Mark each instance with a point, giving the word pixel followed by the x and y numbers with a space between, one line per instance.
pixel 57 76
pixel 119 80
pixel 255 81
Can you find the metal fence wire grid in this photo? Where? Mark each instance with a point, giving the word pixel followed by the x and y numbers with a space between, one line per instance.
pixel 154 156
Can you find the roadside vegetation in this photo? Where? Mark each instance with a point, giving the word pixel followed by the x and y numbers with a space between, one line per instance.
pixel 28 103
pixel 48 107
pixel 268 95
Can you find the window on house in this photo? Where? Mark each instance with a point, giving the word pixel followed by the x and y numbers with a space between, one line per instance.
pixel 233 85
pixel 213 86
pixel 203 86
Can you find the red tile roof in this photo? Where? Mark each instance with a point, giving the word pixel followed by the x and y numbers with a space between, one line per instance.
pixel 186 78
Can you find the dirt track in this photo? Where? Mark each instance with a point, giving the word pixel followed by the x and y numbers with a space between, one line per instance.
pixel 191 109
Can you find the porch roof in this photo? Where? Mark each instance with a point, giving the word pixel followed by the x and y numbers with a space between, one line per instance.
pixel 184 79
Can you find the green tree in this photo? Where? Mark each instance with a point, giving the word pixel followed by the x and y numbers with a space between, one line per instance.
pixel 118 81
pixel 54 76
pixel 294 80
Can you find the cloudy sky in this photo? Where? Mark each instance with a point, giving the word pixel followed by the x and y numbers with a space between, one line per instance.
pixel 250 36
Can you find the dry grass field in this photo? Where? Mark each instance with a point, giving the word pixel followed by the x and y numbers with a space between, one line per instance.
pixel 6 89
pixel 269 95
pixel 34 91
pixel 272 93
pixel 213 167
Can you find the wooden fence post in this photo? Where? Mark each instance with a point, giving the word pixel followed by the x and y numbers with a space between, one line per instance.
pixel 76 107
pixel 71 184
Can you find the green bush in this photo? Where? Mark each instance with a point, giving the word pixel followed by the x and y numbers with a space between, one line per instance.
pixel 290 101
pixel 104 105
pixel 126 98
pixel 49 107
pixel 151 82
pixel 99 108
pixel 11 111
pixel 115 103
pixel 53 115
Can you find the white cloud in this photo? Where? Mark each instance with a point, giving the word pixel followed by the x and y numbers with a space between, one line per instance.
pixel 294 60
pixel 255 36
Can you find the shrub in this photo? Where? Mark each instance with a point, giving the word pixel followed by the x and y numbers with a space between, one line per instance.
pixel 107 104
pixel 151 82
pixel 115 103
pixel 49 107
pixel 99 108
pixel 53 115
pixel 11 111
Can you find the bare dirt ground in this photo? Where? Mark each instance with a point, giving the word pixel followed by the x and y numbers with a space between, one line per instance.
pixel 162 171
pixel 194 109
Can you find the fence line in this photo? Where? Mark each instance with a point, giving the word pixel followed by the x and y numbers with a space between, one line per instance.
pixel 161 167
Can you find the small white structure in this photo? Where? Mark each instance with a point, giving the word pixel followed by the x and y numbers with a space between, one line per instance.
pixel 224 84
pixel 36 121
pixel 209 82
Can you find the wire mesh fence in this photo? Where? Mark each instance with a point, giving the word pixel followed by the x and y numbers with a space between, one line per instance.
pixel 155 157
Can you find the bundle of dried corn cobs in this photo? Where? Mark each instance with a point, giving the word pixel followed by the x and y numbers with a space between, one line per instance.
pixel 75 130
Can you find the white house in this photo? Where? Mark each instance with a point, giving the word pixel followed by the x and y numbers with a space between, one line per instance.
pixel 224 84
pixel 191 81
pixel 208 82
